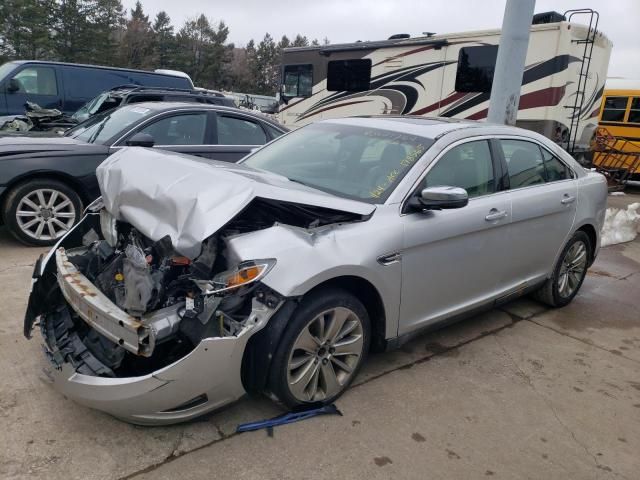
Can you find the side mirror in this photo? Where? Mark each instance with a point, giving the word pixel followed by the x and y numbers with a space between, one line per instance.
pixel 438 198
pixel 13 86
pixel 141 140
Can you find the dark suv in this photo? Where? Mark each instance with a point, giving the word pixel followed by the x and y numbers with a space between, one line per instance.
pixel 125 94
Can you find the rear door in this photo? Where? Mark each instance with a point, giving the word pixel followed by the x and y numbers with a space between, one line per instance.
pixel 38 84
pixel 236 136
pixel 543 194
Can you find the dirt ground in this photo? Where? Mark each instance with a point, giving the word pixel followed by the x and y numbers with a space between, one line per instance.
pixel 519 392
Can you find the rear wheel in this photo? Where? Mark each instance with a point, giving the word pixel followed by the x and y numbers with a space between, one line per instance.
pixel 39 212
pixel 568 274
pixel 322 349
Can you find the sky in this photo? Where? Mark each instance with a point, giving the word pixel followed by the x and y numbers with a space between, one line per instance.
pixel 350 20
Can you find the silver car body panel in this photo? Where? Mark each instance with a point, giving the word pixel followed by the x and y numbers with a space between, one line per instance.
pixel 164 193
pixel 426 266
pixel 211 369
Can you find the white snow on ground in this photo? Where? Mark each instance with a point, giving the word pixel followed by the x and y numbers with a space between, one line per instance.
pixel 620 225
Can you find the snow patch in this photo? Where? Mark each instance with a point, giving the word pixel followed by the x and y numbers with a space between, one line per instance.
pixel 620 225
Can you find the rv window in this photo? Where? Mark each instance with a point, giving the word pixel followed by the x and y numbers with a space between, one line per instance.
pixel 475 68
pixel 348 75
pixel 298 80
pixel 614 109
pixel 634 113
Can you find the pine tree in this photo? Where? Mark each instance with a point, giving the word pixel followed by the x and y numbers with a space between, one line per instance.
pixel 300 41
pixel 25 27
pixel 72 34
pixel 205 56
pixel 135 47
pixel 164 43
pixel 106 20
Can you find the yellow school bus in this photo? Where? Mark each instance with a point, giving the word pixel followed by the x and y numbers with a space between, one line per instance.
pixel 617 142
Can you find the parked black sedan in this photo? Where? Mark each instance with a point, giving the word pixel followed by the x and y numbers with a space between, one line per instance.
pixel 44 182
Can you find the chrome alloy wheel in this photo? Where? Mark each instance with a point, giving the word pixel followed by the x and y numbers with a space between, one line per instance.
pixel 325 355
pixel 572 269
pixel 45 214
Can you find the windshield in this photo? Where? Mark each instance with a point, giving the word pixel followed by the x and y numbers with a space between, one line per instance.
pixel 5 68
pixel 354 162
pixel 102 127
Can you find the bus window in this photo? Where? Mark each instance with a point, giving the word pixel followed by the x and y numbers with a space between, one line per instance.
pixel 634 113
pixel 298 80
pixel 349 75
pixel 614 109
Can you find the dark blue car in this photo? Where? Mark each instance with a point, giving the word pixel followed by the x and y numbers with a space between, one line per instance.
pixel 68 86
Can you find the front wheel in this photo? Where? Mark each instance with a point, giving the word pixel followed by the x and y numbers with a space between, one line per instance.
pixel 321 350
pixel 568 274
pixel 39 212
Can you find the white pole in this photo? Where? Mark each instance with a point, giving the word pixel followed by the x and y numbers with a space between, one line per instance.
pixel 512 52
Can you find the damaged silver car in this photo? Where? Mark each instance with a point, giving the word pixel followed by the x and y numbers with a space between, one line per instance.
pixel 190 283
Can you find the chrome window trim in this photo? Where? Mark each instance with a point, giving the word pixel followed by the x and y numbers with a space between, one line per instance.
pixel 188 111
pixel 428 168
pixel 503 136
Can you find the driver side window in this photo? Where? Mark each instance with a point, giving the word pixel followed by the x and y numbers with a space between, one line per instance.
pixel 178 130
pixel 467 166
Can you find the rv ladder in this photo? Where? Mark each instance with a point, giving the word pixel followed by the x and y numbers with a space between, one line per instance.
pixel 585 64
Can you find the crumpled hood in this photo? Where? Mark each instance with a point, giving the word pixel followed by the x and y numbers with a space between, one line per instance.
pixel 189 199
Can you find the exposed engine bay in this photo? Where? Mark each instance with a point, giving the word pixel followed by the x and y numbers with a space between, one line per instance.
pixel 148 304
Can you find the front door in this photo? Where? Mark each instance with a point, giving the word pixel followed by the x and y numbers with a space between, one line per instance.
pixel 543 197
pixel 453 260
pixel 37 84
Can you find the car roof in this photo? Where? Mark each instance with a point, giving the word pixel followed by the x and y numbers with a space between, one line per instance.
pixel 168 106
pixel 429 127
pixel 103 67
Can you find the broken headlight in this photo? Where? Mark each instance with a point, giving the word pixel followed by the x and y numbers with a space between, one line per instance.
pixel 108 227
pixel 245 273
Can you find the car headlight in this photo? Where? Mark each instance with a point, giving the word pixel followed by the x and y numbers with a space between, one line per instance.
pixel 245 273
pixel 108 227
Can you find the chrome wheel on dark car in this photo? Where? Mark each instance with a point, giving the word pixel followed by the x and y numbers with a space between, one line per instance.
pixel 39 212
pixel 45 214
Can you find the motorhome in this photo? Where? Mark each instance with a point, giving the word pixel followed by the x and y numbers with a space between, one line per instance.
pixel 451 76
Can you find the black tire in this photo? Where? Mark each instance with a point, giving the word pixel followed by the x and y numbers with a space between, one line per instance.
pixel 550 293
pixel 23 190
pixel 308 310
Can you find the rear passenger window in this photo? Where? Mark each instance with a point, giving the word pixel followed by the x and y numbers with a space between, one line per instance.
pixel 554 168
pixel 468 166
pixel 37 81
pixel 614 109
pixel 238 131
pixel 524 162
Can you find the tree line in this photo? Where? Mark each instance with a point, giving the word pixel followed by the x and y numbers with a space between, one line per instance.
pixel 101 32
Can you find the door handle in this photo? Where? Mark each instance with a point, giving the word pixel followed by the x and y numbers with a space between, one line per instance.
pixel 567 199
pixel 495 214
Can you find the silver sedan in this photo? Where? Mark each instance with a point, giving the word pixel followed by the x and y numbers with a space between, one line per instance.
pixel 190 283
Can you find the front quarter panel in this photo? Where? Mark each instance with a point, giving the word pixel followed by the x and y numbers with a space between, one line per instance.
pixel 308 257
